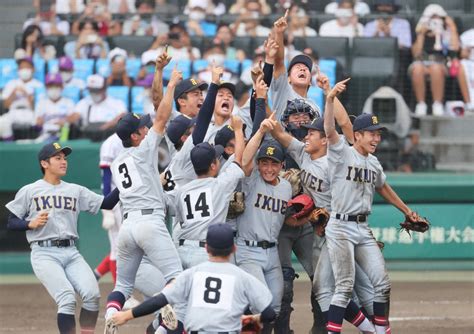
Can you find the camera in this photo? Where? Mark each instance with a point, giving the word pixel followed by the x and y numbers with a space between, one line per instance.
pixel 91 39
pixel 174 35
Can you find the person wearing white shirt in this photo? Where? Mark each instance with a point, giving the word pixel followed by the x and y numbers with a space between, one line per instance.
pixel 346 23
pixel 248 23
pixel 53 110
pixel 298 25
pixel 360 7
pixel 98 107
pixel 466 71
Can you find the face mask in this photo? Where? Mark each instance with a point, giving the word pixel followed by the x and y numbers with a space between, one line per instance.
pixel 25 74
pixel 197 15
pixel 66 76
pixel 54 93
pixel 97 98
pixel 343 15
pixel 217 58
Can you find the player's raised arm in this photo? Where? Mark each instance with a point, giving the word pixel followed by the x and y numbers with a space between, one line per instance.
pixel 205 113
pixel 238 126
pixel 329 122
pixel 284 138
pixel 254 143
pixel 261 91
pixel 279 28
pixel 164 110
pixel 157 85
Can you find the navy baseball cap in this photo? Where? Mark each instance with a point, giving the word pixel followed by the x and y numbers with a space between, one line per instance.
pixel 229 85
pixel 130 123
pixel 203 154
pixel 188 85
pixel 224 136
pixel 317 124
pixel 178 127
pixel 220 236
pixel 367 122
pixel 301 59
pixel 49 150
pixel 271 150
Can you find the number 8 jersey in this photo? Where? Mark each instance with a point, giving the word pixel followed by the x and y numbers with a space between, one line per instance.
pixel 135 173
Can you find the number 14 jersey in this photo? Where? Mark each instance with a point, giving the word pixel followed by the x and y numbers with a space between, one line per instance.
pixel 135 173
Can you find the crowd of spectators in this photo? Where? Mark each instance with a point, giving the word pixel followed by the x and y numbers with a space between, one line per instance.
pixel 431 50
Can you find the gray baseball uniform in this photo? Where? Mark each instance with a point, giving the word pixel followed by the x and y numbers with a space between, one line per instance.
pixel 218 289
pixel 135 172
pixel 260 224
pixel 62 270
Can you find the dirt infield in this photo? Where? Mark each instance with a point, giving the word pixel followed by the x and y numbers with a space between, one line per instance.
pixel 434 307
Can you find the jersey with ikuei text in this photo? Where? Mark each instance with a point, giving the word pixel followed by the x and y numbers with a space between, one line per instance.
pixel 135 173
pixel 217 294
pixel 354 178
pixel 205 201
pixel 63 202
pixel 265 208
pixel 314 174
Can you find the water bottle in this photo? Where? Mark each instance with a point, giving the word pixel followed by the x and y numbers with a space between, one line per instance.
pixel 64 135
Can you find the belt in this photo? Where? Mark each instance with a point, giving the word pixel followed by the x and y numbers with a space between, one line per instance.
pixel 143 211
pixel 201 243
pixel 55 243
pixel 352 218
pixel 263 244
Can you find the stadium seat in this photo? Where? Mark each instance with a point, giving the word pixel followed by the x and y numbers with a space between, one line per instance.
pixel 137 100
pixel 133 67
pixel 73 93
pixel 327 47
pixel 244 43
pixel 8 71
pixel 328 67
pixel 316 94
pixel 233 66
pixel 183 65
pixel 82 67
pixel 135 45
pixel 465 22
pixel 121 93
pixel 102 67
pixel 199 65
pixel 449 5
pixel 39 68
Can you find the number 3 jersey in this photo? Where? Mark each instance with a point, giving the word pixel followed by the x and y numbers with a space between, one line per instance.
pixel 135 174
pixel 217 294
pixel 204 201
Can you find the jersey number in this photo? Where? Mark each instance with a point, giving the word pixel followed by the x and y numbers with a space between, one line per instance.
pixel 127 183
pixel 170 184
pixel 201 205
pixel 212 294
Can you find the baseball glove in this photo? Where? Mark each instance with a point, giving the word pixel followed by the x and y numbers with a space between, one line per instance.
pixel 298 210
pixel 292 175
pixel 415 222
pixel 236 205
pixel 319 218
pixel 250 325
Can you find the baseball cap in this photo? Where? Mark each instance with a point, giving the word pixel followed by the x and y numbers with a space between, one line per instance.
pixel 53 79
pixel 203 154
pixel 301 59
pixel 367 122
pixel 220 236
pixel 117 52
pixel 224 135
pixel 95 81
pixel 26 58
pixel 317 124
pixel 229 85
pixel 271 150
pixel 51 149
pixel 178 126
pixel 66 64
pixel 149 57
pixel 130 123
pixel 188 85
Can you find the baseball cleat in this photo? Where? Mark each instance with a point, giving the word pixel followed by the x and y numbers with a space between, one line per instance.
pixel 130 303
pixel 169 317
pixel 110 327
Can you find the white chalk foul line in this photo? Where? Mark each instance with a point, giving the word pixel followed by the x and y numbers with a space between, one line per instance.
pixel 425 318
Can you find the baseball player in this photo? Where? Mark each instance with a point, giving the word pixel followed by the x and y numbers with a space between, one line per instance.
pixel 206 199
pixel 48 210
pixel 266 198
pixel 355 175
pixel 214 287
pixel 135 173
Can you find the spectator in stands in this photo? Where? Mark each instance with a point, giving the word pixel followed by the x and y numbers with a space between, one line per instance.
pixel 346 23
pixel 141 26
pixel 211 7
pixel 436 35
pixel 179 44
pixel 224 37
pixel 118 74
pixel 298 23
pixel 98 109
pixel 197 23
pixel 53 110
pixel 239 7
pixel 125 6
pixel 148 64
pixel 89 44
pixel 216 55
pixel 466 71
pixel 66 70
pixel 146 83
pixel 21 90
pixel 32 41
pixel 360 7
pixel 388 25
pixel 97 12
pixel 68 6
pixel 248 23
pixel 49 22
